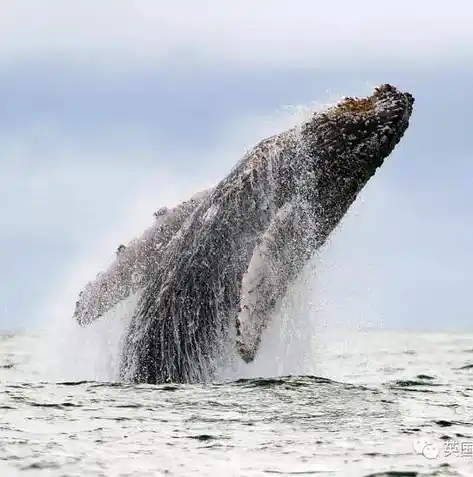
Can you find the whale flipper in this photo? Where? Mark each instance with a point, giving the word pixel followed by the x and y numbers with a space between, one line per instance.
pixel 135 264
pixel 277 260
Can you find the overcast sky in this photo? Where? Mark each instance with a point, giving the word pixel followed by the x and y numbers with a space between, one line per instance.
pixel 109 110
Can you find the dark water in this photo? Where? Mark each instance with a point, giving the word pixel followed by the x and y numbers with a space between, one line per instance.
pixel 384 404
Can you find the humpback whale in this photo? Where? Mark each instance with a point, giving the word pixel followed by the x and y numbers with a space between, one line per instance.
pixel 212 270
pixel 229 263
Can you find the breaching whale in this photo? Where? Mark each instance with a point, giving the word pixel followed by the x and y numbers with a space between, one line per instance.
pixel 227 265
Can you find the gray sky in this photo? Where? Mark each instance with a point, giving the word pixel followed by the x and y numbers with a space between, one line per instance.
pixel 111 109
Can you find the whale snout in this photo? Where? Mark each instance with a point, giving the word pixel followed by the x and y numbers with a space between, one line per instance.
pixel 355 136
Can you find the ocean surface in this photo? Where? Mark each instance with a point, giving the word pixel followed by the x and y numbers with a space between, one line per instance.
pixel 376 403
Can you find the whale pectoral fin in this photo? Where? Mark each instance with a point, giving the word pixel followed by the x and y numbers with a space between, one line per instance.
pixel 126 276
pixel 135 263
pixel 281 254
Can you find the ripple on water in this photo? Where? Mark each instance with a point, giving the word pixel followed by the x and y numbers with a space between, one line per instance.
pixel 351 422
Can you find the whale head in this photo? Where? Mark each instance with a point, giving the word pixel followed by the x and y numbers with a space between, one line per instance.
pixel 348 143
pixel 359 133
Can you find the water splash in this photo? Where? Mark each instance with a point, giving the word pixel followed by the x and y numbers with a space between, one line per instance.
pixel 64 351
